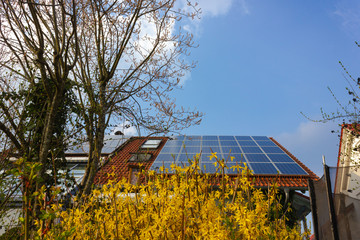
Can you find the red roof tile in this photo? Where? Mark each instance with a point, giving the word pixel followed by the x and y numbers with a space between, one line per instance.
pixel 118 166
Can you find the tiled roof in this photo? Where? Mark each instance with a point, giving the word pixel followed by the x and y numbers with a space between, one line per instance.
pixel 118 166
pixel 282 181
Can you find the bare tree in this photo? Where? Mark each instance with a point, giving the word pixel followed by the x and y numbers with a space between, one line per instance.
pixel 132 55
pixel 37 40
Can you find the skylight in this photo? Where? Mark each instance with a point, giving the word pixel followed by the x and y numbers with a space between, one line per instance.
pixel 151 144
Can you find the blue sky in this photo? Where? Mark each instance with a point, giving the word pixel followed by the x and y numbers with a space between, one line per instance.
pixel 261 63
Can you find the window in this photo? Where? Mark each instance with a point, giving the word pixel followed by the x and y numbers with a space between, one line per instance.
pixel 140 157
pixel 134 175
pixel 151 144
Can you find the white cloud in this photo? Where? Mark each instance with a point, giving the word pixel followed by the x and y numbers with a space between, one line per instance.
pixel 244 7
pixel 310 141
pixel 348 11
pixel 215 7
pixel 209 8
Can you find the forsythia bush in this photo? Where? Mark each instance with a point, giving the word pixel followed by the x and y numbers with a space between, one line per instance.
pixel 183 205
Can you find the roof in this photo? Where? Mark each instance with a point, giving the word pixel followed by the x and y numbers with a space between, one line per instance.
pixel 119 166
pixel 111 143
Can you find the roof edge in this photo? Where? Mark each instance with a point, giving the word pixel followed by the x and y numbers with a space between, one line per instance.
pixel 311 173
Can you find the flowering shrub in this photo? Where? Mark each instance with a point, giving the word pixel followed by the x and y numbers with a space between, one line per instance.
pixel 183 205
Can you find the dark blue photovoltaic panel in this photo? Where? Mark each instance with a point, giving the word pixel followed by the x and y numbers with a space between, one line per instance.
pixel 261 159
pixel 183 163
pixel 192 138
pixel 156 166
pixel 236 158
pixel 256 158
pixel 210 138
pixel 181 138
pixel 226 138
pixel 171 149
pixel 272 150
pixel 241 138
pixel 266 143
pixel 186 157
pixel 207 150
pixel 192 143
pixel 251 150
pixel 260 138
pixel 229 143
pixel 247 143
pixel 172 143
pixel 187 149
pixel 166 158
pixel 280 158
pixel 210 143
pixel 263 168
pixel 208 168
pixel 290 168
pixel 226 150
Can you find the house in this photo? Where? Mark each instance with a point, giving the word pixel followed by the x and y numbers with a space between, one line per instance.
pixel 347 183
pixel 348 172
pixel 269 161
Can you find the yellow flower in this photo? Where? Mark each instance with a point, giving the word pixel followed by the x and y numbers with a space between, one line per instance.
pixel 213 155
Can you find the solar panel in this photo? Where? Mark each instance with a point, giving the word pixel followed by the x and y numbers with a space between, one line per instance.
pixel 171 143
pixel 174 149
pixel 189 143
pixel 157 166
pixel 272 150
pixel 226 138
pixel 280 158
pixel 163 157
pixel 247 143
pixel 111 143
pixel 261 154
pixel 210 143
pixel 226 149
pixel 210 138
pixel 208 167
pixel 241 138
pixel 256 158
pixel 251 150
pixel 235 158
pixel 260 138
pixel 228 143
pixel 187 149
pixel 263 168
pixel 290 168
pixel 209 150
pixel 266 143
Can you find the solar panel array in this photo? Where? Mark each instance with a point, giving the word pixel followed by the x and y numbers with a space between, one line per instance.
pixel 111 143
pixel 260 154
